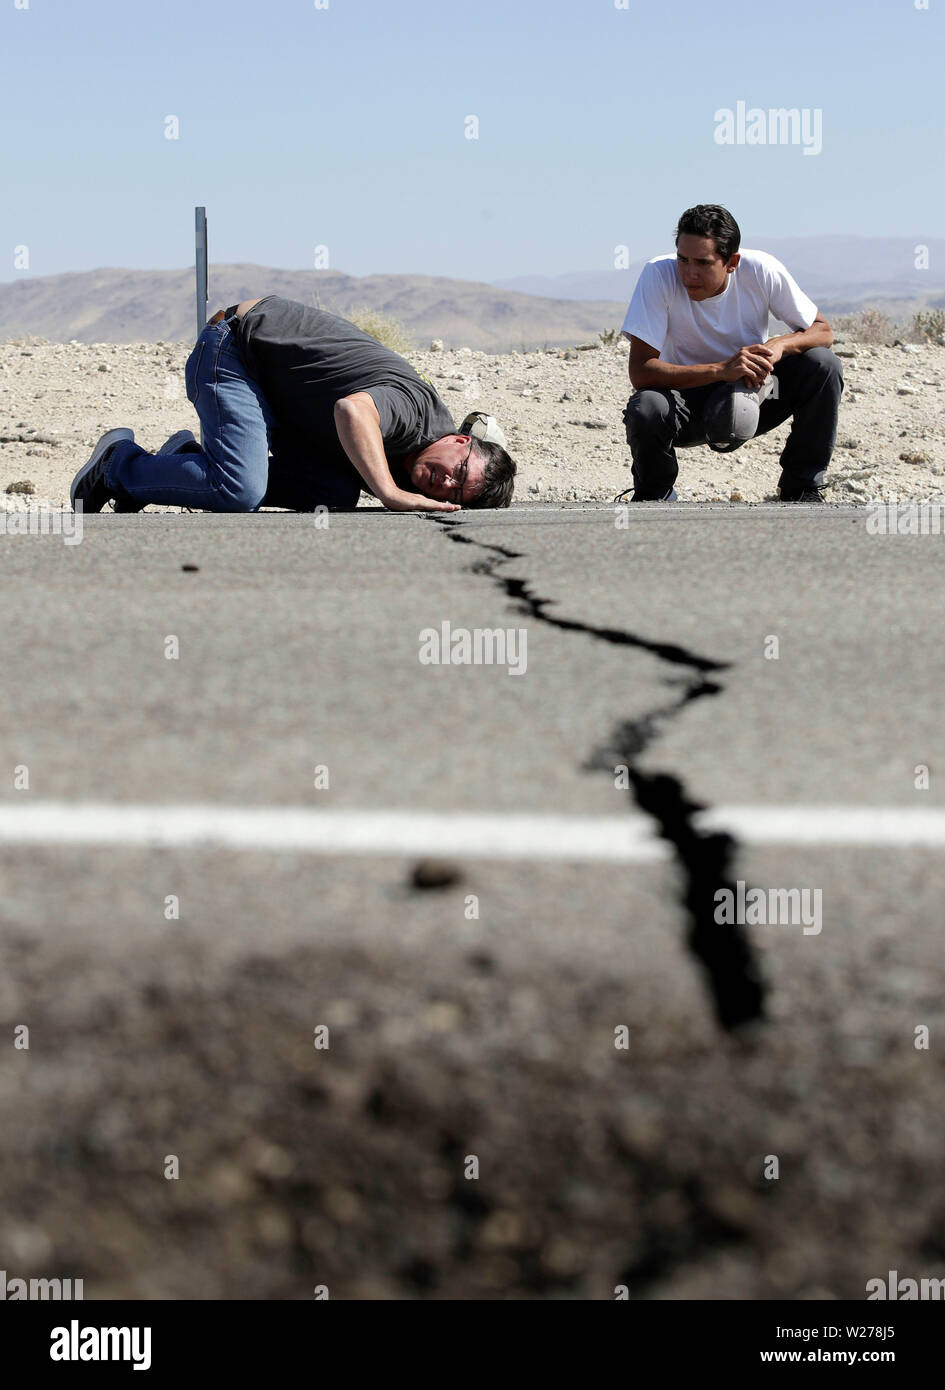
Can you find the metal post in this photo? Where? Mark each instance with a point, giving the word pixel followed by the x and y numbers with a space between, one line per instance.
pixel 200 243
pixel 200 266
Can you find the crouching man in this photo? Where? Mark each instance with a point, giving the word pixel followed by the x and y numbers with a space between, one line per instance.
pixel 705 372
pixel 340 413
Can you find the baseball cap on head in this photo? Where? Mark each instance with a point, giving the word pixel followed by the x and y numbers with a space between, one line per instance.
pixel 485 427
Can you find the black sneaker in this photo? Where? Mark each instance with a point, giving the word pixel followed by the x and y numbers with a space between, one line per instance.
pixel 667 497
pixel 89 486
pixel 177 442
pixel 802 494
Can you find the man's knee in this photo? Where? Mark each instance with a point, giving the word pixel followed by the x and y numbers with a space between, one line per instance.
pixel 822 363
pixel 243 496
pixel 649 413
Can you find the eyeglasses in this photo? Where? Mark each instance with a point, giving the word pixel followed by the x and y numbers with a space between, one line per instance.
pixel 461 476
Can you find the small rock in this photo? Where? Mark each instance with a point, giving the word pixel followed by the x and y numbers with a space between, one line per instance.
pixel 436 345
pixel 849 444
pixel 910 347
pixel 26 488
pixel 435 873
pixel 904 389
pixel 916 457
pixel 104 367
pixel 845 352
pixel 442 1016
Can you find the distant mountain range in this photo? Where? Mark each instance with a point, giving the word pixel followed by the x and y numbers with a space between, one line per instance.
pixel 122 306
pixel 841 273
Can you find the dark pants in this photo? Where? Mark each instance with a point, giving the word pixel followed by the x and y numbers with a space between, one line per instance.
pixel 301 481
pixel 809 387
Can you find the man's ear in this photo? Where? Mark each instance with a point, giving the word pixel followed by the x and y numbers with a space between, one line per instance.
pixel 736 257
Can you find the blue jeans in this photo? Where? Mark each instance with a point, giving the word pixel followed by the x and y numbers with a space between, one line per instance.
pixel 230 472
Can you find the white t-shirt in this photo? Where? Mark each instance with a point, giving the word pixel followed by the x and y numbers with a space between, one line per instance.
pixel 691 332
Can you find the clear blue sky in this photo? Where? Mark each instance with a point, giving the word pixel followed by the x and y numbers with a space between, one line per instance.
pixel 344 127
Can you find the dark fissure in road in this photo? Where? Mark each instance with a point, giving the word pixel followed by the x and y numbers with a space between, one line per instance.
pixel 724 951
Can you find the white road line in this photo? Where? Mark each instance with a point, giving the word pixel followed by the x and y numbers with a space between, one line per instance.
pixel 498 835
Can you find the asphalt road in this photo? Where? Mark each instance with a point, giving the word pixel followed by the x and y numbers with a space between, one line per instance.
pixel 477 1019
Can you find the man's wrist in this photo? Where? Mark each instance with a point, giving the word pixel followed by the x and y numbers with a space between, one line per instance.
pixel 386 490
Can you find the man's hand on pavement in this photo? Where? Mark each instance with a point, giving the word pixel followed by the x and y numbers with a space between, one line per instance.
pixel 401 501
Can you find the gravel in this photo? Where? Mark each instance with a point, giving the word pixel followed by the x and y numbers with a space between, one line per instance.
pixel 59 397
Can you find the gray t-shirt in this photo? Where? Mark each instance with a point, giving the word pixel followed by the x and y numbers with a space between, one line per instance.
pixel 305 360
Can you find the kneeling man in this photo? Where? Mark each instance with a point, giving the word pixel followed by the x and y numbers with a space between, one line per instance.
pixel 705 372
pixel 340 413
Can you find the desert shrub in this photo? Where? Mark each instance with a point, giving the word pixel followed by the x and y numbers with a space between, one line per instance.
pixel 385 329
pixel 26 340
pixel 870 325
pixel 929 324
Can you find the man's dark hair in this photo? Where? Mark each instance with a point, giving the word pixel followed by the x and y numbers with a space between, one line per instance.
pixel 708 219
pixel 499 473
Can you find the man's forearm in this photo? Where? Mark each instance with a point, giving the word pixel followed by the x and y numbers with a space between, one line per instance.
pixel 669 376
pixel 359 433
pixel 819 334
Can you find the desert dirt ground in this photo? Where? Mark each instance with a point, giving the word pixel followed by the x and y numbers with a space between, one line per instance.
pixel 561 409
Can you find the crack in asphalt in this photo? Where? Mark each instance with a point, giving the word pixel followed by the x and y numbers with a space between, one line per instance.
pixel 705 858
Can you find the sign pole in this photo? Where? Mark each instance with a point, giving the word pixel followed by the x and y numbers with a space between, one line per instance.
pixel 200 266
pixel 200 244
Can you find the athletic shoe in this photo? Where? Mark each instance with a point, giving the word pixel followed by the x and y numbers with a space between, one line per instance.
pixel 669 497
pixel 802 494
pixel 174 445
pixel 89 486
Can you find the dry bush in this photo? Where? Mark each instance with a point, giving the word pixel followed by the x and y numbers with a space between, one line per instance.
pixel 870 325
pixel 388 331
pixel 929 324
